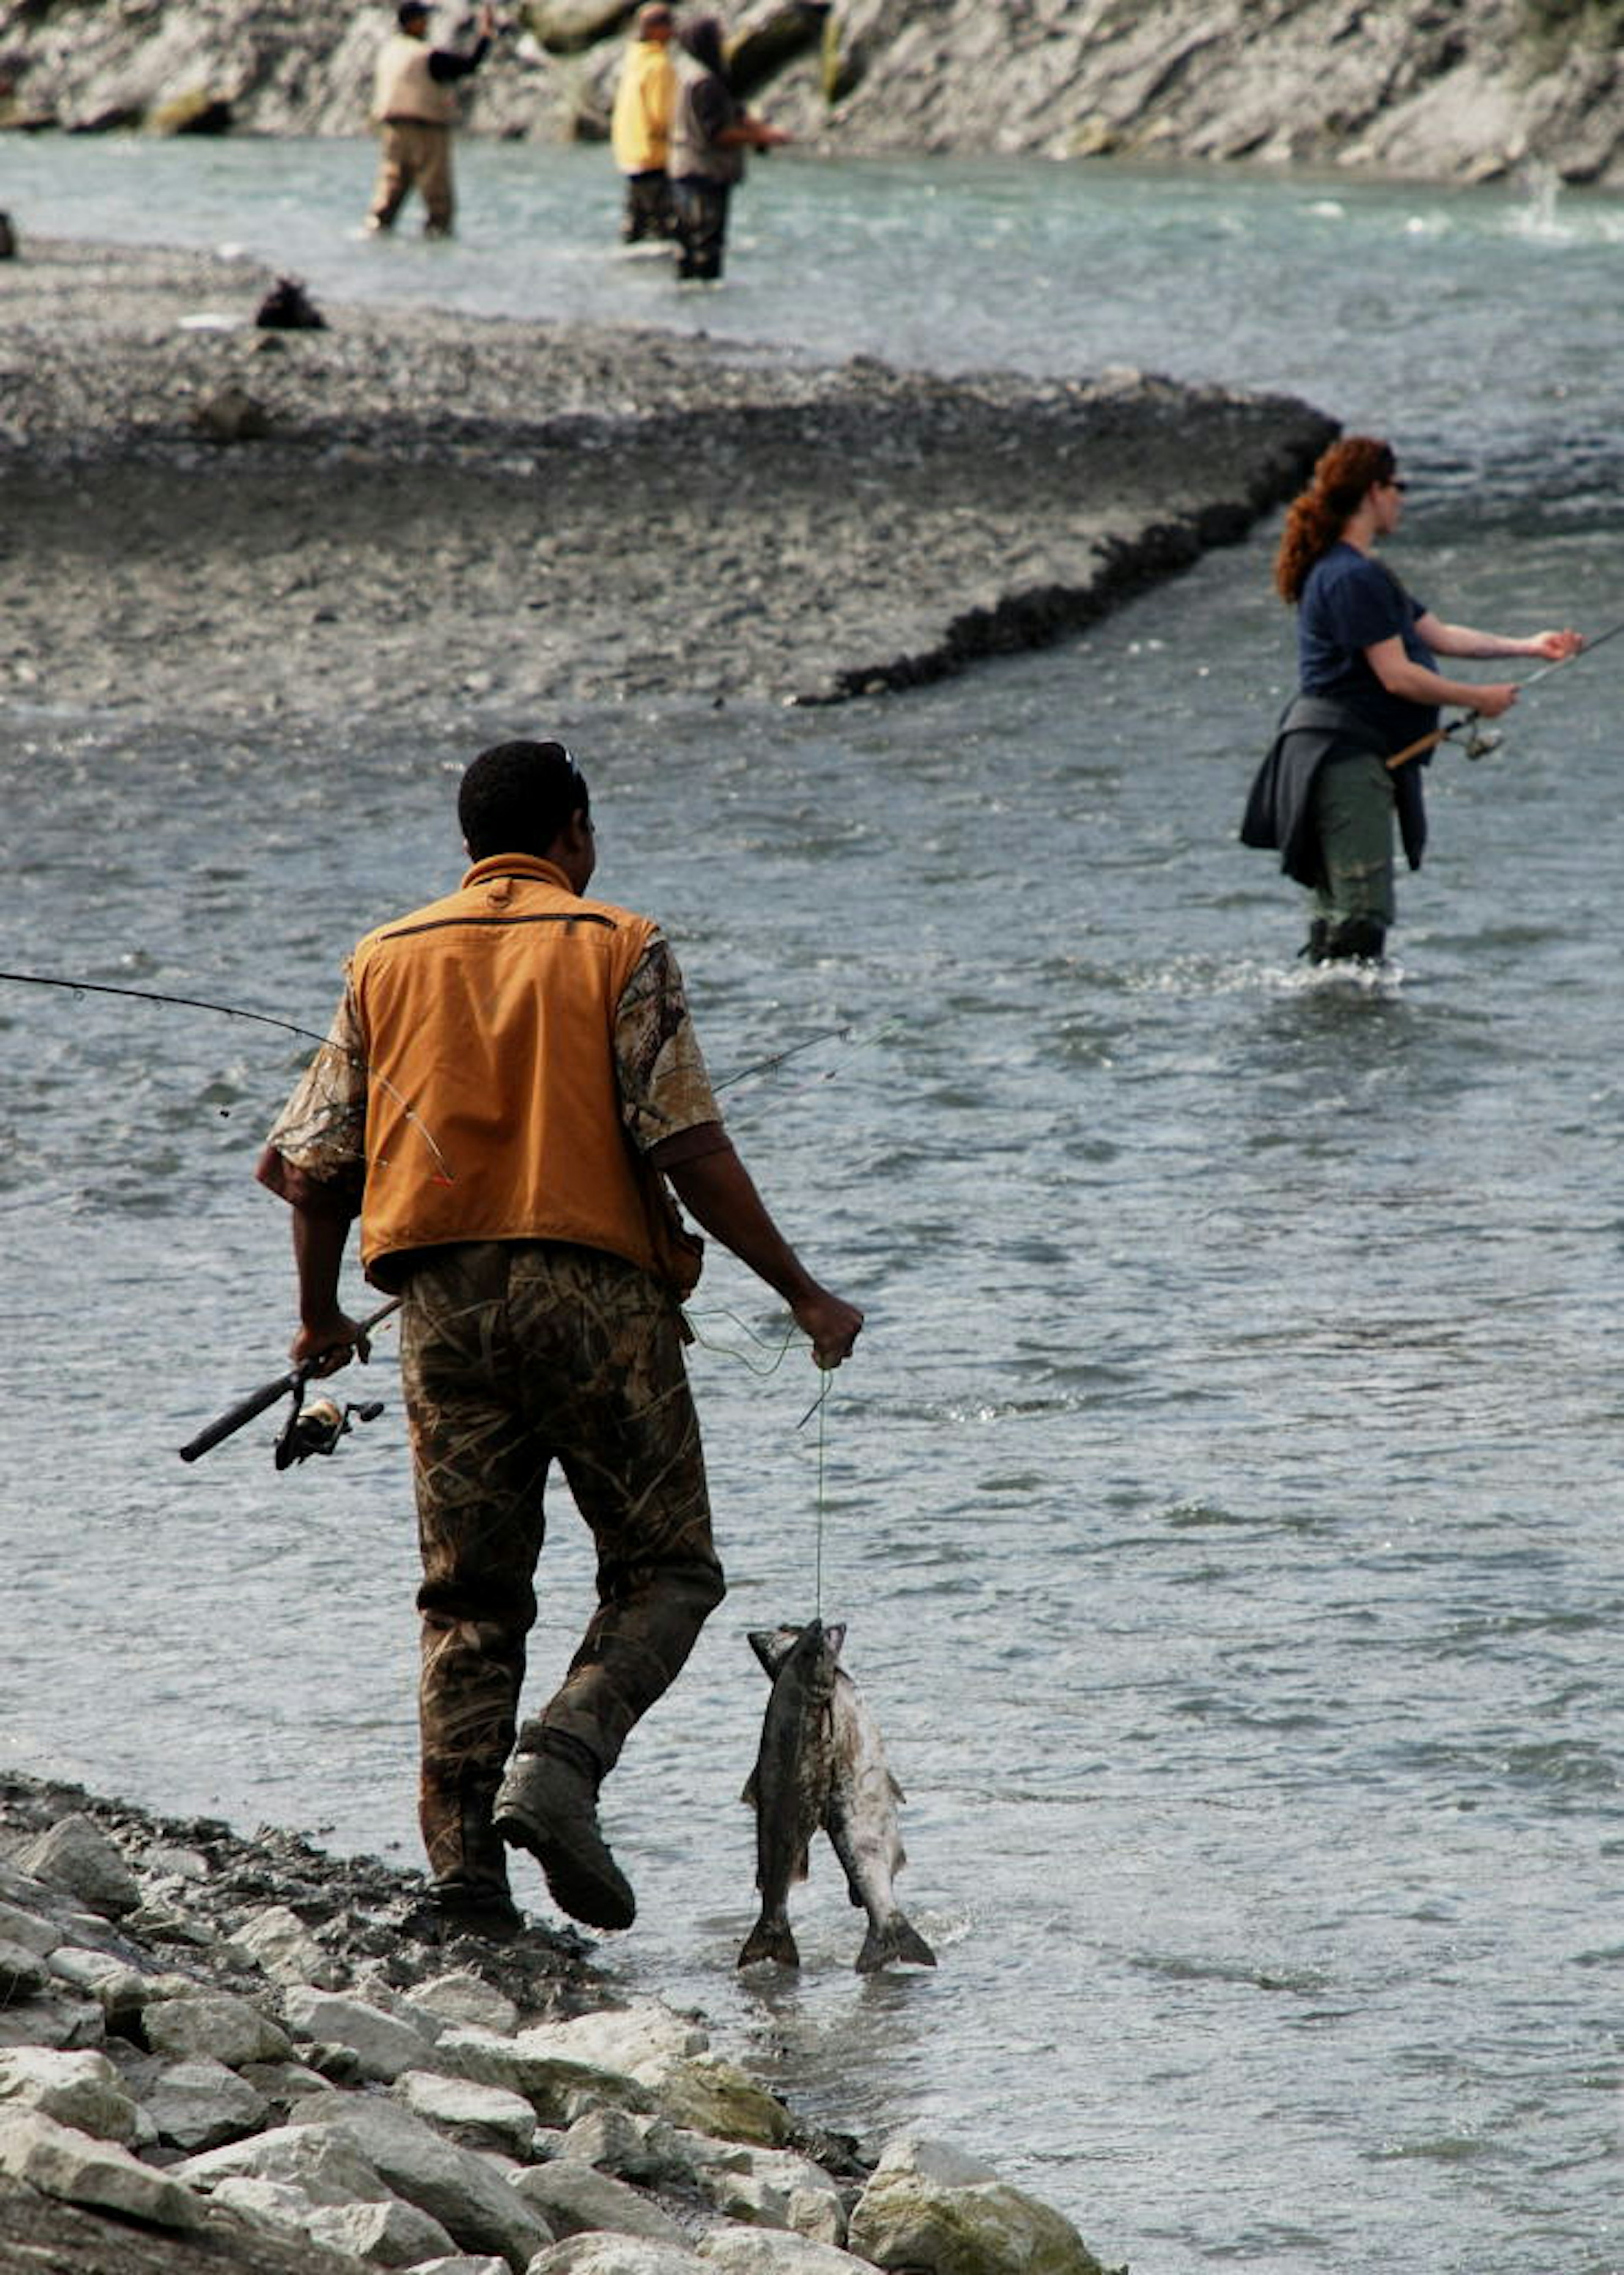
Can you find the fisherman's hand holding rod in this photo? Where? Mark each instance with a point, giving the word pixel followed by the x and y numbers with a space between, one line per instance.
pixel 334 1351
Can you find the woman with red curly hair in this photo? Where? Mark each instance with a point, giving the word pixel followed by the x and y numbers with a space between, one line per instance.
pixel 1369 687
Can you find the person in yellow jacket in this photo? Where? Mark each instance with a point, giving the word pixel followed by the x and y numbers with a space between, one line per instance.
pixel 414 108
pixel 511 1092
pixel 640 125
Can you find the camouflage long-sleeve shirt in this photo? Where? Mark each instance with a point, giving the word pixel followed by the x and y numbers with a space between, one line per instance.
pixel 316 1154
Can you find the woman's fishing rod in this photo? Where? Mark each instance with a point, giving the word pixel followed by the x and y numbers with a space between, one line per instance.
pixel 1481 740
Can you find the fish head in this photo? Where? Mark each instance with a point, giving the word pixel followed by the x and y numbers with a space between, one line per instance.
pixel 814 1649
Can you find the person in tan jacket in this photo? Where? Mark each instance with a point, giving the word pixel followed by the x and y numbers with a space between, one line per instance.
pixel 511 1092
pixel 414 108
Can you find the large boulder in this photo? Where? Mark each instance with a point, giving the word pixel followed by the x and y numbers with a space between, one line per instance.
pixel 62 2162
pixel 214 2026
pixel 774 2251
pixel 615 2254
pixel 80 2089
pixel 383 2045
pixel 931 2209
pixel 77 1856
pixel 455 2186
pixel 576 2199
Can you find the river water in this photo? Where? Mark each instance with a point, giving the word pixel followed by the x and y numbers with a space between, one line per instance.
pixel 1223 1501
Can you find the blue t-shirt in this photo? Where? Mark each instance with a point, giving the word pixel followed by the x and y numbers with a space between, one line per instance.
pixel 1349 603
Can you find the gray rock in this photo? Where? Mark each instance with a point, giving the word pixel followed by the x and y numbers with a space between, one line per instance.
pixel 282 2083
pixel 391 2234
pixel 118 1989
pixel 77 1855
pixel 615 2254
pixel 61 2162
pixel 635 2148
pixel 768 2188
pixel 31 1930
pixel 465 1998
pixel 283 1947
pixel 771 2251
pixel 383 2045
pixel 324 2167
pixel 928 2207
pixel 216 2024
pixel 78 2089
pixel 555 2083
pixel 455 2185
pixel 232 415
pixel 47 2021
pixel 463 2263
pixel 24 1973
pixel 715 2097
pixel 200 2104
pixel 575 2199
pixel 476 2116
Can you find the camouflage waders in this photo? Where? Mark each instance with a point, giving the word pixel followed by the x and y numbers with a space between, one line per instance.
pixel 514 1354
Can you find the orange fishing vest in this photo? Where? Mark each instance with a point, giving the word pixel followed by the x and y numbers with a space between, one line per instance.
pixel 493 1112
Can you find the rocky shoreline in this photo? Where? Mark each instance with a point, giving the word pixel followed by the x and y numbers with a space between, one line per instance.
pixel 247 2057
pixel 412 508
pixel 1462 89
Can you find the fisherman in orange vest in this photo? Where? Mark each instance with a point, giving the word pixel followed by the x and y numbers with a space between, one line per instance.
pixel 509 1094
pixel 414 108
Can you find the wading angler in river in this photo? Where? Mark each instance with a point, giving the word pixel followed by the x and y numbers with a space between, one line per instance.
pixel 1346 759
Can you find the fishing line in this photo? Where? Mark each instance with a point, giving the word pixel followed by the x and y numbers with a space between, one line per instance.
pixel 727 1351
pixel 820 1407
pixel 876 1034
pixel 765 1066
pixel 259 1018
pixel 152 995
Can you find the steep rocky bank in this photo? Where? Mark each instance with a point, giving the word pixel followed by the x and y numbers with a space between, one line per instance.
pixel 216 519
pixel 244 2056
pixel 1464 89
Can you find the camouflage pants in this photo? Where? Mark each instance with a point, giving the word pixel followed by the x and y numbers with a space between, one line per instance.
pixel 514 1354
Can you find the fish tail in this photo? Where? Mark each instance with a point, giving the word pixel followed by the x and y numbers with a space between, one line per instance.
pixel 897 1939
pixel 770 1938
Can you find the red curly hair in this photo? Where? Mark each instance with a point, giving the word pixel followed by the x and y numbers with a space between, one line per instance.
pixel 1318 517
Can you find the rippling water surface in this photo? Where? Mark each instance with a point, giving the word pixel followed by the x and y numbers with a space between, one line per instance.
pixel 1223 1503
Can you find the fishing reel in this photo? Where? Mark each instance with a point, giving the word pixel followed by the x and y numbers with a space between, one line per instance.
pixel 317 1428
pixel 1476 740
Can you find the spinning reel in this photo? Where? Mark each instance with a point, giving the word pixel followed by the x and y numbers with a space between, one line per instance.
pixel 317 1428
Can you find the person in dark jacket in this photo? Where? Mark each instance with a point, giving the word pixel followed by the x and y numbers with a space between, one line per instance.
pixel 710 134
pixel 1369 689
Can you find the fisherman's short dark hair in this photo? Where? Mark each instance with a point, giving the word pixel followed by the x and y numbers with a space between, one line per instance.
pixel 517 798
pixel 412 11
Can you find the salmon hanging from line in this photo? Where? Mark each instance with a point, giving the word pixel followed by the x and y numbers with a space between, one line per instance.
pixel 822 1762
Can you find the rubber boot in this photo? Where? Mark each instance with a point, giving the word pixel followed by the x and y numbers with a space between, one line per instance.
pixel 1314 946
pixel 548 1805
pixel 469 1894
pixel 1357 939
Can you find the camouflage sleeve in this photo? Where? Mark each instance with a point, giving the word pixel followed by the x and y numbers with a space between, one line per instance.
pixel 664 1087
pixel 316 1152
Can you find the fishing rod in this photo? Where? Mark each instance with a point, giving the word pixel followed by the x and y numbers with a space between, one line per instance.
pixel 300 1439
pixel 152 995
pixel 1480 740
